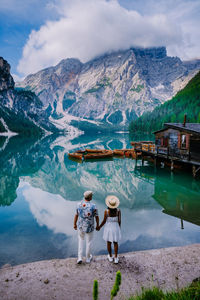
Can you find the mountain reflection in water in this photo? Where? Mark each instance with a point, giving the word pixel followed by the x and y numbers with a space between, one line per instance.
pixel 40 187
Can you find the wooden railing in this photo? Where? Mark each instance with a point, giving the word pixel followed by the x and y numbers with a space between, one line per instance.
pixel 179 153
pixel 166 151
pixel 148 147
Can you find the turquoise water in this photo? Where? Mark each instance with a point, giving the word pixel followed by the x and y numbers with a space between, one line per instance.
pixel 40 188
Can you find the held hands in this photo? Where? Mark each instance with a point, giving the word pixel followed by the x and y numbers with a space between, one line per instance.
pixel 98 228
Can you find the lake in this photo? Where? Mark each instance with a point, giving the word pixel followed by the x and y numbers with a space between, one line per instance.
pixel 40 187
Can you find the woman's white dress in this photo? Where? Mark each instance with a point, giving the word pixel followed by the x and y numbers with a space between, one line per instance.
pixel 112 231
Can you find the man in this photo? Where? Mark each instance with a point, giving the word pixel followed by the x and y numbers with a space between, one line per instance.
pixel 85 214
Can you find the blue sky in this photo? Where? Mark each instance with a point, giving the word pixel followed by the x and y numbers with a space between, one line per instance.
pixel 35 34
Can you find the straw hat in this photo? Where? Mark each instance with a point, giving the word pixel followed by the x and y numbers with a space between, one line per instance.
pixel 112 201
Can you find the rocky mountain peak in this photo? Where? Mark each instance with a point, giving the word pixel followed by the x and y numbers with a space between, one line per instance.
pixel 112 89
pixel 6 80
pixel 192 64
pixel 20 111
pixel 69 64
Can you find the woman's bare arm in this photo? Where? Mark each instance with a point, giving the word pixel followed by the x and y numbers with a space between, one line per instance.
pixel 119 217
pixel 104 219
pixel 97 222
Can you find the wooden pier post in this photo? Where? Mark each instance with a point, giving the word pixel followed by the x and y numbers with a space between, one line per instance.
pixel 182 227
pixel 172 165
pixel 189 155
pixel 155 164
pixel 194 171
pixel 142 160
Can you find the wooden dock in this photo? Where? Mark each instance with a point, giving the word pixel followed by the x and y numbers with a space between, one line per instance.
pixel 167 156
pixel 176 144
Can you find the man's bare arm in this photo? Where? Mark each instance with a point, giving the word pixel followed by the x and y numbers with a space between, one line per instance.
pixel 75 221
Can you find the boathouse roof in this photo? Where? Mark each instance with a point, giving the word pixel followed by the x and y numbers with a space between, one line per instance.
pixel 188 127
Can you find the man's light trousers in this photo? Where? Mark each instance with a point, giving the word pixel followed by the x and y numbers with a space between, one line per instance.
pixel 81 237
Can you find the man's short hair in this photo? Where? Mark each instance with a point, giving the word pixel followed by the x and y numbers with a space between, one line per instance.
pixel 88 194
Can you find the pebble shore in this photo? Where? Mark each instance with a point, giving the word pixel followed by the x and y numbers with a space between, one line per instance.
pixel 63 279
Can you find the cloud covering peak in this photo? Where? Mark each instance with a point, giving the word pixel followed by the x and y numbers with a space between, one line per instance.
pixel 89 28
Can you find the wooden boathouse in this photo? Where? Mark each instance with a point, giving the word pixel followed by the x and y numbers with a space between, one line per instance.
pixel 177 144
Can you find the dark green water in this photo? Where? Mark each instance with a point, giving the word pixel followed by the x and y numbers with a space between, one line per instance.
pixel 40 187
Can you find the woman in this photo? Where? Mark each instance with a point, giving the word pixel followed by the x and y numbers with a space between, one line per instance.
pixel 112 230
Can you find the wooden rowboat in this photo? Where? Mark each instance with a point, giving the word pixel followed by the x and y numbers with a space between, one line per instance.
pixel 106 154
pixel 88 154
pixel 80 151
pixel 96 150
pixel 134 155
pixel 141 142
pixel 118 152
pixel 129 153
pixel 75 155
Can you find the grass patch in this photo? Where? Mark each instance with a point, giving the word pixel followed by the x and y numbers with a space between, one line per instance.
pixel 99 85
pixel 189 293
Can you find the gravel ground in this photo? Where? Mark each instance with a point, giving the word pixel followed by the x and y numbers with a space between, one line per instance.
pixel 63 279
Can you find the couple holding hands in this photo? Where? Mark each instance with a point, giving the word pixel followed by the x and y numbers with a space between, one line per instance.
pixel 86 211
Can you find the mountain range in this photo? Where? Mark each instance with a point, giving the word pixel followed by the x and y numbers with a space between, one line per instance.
pixel 113 89
pixel 106 93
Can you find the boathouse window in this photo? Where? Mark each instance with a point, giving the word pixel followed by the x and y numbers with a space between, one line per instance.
pixel 183 141
pixel 164 141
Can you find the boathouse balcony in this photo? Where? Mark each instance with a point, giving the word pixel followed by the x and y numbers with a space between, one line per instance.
pixel 167 152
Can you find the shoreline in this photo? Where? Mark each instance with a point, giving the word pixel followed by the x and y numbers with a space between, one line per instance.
pixel 168 268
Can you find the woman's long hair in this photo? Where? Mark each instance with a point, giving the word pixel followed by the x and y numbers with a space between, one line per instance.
pixel 113 211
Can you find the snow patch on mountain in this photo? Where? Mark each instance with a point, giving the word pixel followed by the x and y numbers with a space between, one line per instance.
pixel 8 132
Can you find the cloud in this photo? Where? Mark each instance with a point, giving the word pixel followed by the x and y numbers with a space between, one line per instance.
pixel 140 226
pixel 17 78
pixel 86 29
